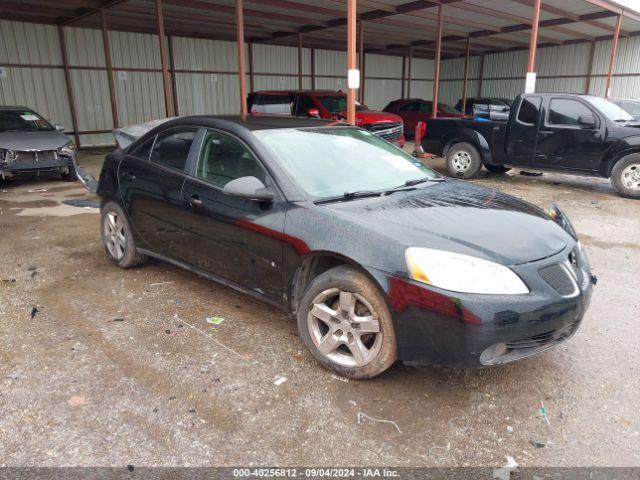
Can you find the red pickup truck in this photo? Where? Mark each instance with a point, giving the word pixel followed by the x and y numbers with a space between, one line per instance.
pixel 325 104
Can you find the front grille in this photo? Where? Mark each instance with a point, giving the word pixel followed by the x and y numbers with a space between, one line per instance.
pixel 559 277
pixel 544 339
pixel 40 156
pixel 381 126
pixel 388 131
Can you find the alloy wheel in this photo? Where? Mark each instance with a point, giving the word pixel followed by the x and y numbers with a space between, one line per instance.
pixel 114 233
pixel 631 176
pixel 461 161
pixel 344 328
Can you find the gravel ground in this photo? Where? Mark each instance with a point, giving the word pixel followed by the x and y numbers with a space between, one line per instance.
pixel 105 367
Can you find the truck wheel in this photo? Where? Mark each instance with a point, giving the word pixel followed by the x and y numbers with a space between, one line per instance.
pixel 497 168
pixel 625 176
pixel 345 323
pixel 463 160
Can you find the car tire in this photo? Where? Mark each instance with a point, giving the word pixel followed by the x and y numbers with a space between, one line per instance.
pixel 463 160
pixel 71 175
pixel 117 237
pixel 328 323
pixel 497 169
pixel 625 176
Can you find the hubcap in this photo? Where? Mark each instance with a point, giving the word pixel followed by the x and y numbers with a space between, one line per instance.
pixel 114 235
pixel 344 328
pixel 461 161
pixel 631 177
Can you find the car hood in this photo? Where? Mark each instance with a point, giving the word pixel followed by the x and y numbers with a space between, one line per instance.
pixel 460 217
pixel 371 116
pixel 43 140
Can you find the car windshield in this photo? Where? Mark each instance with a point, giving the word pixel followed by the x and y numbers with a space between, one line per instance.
pixel 610 110
pixel 631 107
pixel 331 161
pixel 22 121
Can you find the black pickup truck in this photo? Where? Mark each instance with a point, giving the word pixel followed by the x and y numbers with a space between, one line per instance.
pixel 580 134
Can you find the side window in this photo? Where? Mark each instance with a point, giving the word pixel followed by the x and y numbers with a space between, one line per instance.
pixel 224 158
pixel 426 107
pixel 565 111
pixel 529 109
pixel 273 104
pixel 143 151
pixel 304 105
pixel 172 147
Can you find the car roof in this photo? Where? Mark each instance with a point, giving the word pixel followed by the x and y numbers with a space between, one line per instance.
pixel 13 107
pixel 256 122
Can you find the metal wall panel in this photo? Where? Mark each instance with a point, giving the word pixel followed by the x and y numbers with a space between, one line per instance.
pixel 91 95
pixel 502 88
pixel 562 60
pixel 382 66
pixel 422 68
pixel 276 82
pixel 453 68
pixel 451 91
pixel 139 97
pixel 275 59
pixel 329 62
pixel 506 64
pixel 206 94
pixel 84 47
pixel 134 50
pixel 326 83
pixel 565 84
pixel 29 43
pixel 201 54
pixel 422 89
pixel 43 89
pixel 378 93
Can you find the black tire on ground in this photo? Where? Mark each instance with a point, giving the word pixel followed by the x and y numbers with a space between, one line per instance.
pixel 497 168
pixel 330 288
pixel 117 237
pixel 71 175
pixel 625 176
pixel 463 160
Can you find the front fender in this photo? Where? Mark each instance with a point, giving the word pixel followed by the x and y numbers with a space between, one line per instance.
pixel 474 138
pixel 618 150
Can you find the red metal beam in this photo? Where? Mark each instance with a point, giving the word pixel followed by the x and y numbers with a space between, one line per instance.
pixel 107 58
pixel 592 51
pixel 535 21
pixel 351 59
pixel 300 61
pixel 361 60
pixel 612 56
pixel 163 59
pixel 242 76
pixel 250 60
pixel 67 78
pixel 404 76
pixel 436 73
pixel 466 76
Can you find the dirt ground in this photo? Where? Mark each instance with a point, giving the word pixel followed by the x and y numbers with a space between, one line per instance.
pixel 120 367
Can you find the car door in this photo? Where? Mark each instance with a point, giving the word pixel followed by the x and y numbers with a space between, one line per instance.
pixel 234 238
pixel 523 132
pixel 150 181
pixel 565 141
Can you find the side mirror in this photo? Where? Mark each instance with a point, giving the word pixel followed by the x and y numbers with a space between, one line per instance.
pixel 59 127
pixel 250 188
pixel 313 112
pixel 586 121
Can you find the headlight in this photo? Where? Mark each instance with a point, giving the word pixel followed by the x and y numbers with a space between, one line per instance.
pixel 558 216
pixel 462 273
pixel 68 150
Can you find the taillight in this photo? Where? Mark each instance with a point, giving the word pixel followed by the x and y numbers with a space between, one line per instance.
pixel 421 128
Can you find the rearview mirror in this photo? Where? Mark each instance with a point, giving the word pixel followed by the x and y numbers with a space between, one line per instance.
pixel 59 127
pixel 250 188
pixel 313 112
pixel 586 121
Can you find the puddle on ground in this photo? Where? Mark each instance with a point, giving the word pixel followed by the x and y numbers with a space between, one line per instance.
pixel 82 203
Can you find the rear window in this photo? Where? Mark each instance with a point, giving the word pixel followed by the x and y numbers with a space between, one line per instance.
pixel 276 104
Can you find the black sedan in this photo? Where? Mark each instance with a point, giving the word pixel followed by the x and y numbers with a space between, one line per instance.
pixel 376 256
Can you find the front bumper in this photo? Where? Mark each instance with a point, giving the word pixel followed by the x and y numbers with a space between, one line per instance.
pixel 435 326
pixel 32 164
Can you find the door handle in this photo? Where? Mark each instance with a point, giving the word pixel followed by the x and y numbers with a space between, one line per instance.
pixel 546 131
pixel 195 202
pixel 129 176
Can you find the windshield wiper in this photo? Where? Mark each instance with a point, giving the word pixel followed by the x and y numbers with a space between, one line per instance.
pixel 349 196
pixel 411 183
